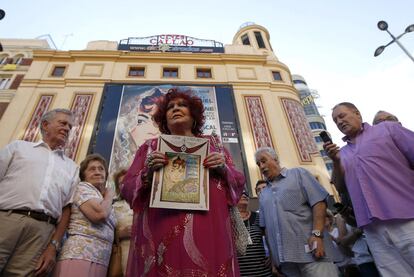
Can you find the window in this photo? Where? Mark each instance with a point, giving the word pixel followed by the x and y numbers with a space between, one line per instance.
pixel 4 82
pixel 317 125
pixel 170 73
pixel 299 82
pixel 58 71
pixel 204 73
pixel 3 59
pixel 259 40
pixel 17 59
pixel 245 39
pixel 136 71
pixel 276 76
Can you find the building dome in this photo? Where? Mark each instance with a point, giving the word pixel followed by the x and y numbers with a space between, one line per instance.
pixel 246 24
pixel 253 35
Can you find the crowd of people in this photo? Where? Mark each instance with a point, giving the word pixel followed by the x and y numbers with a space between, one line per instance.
pixel 60 219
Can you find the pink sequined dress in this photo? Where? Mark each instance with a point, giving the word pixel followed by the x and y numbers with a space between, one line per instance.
pixel 167 242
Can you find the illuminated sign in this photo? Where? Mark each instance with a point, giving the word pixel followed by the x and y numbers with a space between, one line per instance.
pixel 307 100
pixel 171 43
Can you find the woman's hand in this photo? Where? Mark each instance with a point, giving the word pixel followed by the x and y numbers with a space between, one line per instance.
pixel 156 160
pixel 215 160
pixel 109 193
pixel 97 210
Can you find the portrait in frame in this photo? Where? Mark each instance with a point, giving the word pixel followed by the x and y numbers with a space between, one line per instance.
pixel 183 182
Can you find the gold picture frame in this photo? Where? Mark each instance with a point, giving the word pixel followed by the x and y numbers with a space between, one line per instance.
pixel 183 182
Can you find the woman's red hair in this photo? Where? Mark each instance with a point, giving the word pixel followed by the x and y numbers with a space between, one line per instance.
pixel 195 105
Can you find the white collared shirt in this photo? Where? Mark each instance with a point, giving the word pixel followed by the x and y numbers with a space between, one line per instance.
pixel 34 177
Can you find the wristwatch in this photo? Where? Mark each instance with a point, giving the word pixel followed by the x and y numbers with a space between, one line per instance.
pixel 55 244
pixel 317 233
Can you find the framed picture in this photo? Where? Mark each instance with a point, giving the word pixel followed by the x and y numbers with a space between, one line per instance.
pixel 183 182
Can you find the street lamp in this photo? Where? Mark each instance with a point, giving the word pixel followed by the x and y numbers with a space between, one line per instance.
pixel 383 26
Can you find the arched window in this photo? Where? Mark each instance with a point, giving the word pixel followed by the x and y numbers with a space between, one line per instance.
pixel 259 40
pixel 4 82
pixel 317 125
pixel 3 59
pixel 245 39
pixel 18 59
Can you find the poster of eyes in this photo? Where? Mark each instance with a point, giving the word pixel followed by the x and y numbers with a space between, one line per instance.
pixel 125 120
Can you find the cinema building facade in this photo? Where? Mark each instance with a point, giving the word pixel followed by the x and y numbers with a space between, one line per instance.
pixel 248 94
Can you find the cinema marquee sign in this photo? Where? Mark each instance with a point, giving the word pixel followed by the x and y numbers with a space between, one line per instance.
pixel 171 43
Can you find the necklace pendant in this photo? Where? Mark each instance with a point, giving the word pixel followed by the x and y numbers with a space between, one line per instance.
pixel 183 147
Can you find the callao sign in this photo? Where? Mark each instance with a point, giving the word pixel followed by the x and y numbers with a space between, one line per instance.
pixel 171 43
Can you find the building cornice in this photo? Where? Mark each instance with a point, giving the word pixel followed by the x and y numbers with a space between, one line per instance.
pixel 7 95
pixel 120 56
pixel 68 82
pixel 64 82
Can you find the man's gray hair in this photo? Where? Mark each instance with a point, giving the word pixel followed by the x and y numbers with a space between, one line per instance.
pixel 349 105
pixel 390 117
pixel 268 150
pixel 49 115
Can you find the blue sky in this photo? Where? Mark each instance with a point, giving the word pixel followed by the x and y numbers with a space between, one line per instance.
pixel 330 43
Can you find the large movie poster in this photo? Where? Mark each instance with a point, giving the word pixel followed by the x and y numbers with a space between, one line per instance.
pixel 125 120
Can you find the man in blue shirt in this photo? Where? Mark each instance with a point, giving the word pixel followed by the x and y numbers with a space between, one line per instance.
pixel 292 212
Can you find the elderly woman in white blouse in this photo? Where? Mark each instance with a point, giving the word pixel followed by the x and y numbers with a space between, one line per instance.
pixel 87 250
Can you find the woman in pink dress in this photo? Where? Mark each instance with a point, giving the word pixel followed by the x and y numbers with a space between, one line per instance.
pixel 169 242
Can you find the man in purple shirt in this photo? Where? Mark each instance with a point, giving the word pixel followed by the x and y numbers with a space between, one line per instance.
pixel 377 165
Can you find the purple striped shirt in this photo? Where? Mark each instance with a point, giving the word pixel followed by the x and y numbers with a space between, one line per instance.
pixel 379 172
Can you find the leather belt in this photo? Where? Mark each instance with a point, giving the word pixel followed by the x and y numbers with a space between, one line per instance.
pixel 35 215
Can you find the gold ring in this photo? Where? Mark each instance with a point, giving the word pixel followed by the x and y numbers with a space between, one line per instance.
pixel 149 159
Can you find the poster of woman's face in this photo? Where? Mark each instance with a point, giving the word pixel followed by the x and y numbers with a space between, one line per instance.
pixel 134 123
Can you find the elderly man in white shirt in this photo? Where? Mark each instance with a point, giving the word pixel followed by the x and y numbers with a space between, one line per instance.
pixel 37 181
